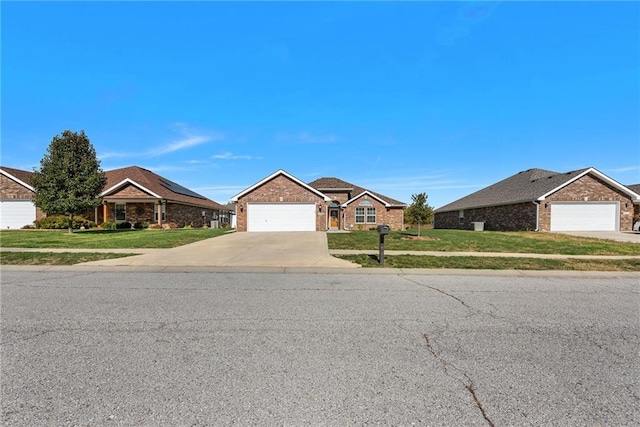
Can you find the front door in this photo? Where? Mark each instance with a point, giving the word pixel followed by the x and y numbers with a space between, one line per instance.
pixel 334 215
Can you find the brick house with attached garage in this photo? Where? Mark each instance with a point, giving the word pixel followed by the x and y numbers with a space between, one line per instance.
pixel 135 194
pixel 282 202
pixel 16 195
pixel 542 200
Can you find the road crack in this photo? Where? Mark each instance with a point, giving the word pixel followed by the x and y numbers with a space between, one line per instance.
pixel 467 382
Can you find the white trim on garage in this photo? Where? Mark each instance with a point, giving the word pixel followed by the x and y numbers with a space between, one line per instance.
pixel 281 216
pixel 16 213
pixel 585 216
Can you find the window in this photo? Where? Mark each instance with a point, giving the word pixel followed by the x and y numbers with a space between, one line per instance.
pixel 121 212
pixel 461 217
pixel 371 215
pixel 164 212
pixel 359 215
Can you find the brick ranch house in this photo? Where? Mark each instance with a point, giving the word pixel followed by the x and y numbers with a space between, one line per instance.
pixel 542 200
pixel 131 194
pixel 281 202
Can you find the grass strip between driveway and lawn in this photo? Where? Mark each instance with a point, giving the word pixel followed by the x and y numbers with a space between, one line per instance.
pixel 55 258
pixel 105 239
pixel 482 241
pixel 493 263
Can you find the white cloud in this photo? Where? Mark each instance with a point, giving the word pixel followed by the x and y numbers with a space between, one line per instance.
pixel 229 156
pixel 189 138
pixel 624 169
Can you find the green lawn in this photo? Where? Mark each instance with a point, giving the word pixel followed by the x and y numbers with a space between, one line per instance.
pixel 485 241
pixel 493 263
pixel 104 239
pixel 54 258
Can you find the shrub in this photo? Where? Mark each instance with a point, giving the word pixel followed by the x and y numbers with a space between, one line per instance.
pixel 141 225
pixel 124 225
pixel 187 227
pixel 108 225
pixel 60 222
pixel 155 226
pixel 28 227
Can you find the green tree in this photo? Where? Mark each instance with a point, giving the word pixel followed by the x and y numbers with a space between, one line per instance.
pixel 70 179
pixel 419 212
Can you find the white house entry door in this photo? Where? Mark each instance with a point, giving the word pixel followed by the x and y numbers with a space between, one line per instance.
pixel 588 216
pixel 281 217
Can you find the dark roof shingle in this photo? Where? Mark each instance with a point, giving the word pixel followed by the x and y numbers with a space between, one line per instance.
pixel 525 186
pixel 331 183
pixel 24 176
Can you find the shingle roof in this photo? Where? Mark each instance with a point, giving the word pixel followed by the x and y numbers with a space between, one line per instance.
pixel 163 187
pixel 525 186
pixel 24 176
pixel 330 183
pixel 635 188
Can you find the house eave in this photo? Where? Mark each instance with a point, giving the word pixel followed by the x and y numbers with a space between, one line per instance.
pixel 235 198
pixel 19 181
pixel 125 182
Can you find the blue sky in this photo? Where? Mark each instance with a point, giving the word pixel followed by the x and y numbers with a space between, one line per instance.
pixel 397 97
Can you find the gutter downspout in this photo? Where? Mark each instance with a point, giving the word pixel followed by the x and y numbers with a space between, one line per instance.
pixel 537 214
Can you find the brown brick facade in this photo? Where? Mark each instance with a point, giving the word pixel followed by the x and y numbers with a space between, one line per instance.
pixel 588 189
pixel 280 189
pixel 516 217
pixel 176 213
pixel 393 217
pixel 11 190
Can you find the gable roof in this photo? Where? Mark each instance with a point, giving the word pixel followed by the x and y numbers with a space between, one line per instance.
pixel 335 184
pixel 21 177
pixel 277 173
pixel 155 185
pixel 532 185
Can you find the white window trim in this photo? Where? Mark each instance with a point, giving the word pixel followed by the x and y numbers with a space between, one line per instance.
pixel 115 212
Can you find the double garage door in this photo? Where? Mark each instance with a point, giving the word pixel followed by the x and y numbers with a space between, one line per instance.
pixel 281 217
pixel 584 216
pixel 16 213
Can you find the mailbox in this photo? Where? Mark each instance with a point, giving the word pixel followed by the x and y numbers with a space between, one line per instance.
pixel 383 229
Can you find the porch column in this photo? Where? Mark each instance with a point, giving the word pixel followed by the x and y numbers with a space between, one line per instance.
pixel 105 212
pixel 159 207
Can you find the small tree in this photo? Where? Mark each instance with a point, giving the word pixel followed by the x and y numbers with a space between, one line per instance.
pixel 70 180
pixel 419 212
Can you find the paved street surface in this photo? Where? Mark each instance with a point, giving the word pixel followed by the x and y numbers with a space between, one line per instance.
pixel 155 349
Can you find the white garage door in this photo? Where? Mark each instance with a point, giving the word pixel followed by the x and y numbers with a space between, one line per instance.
pixel 16 213
pixel 584 216
pixel 281 217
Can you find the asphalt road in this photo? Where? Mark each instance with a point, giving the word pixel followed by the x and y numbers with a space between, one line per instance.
pixel 154 349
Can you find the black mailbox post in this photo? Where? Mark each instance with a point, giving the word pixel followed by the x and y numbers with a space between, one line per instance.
pixel 383 230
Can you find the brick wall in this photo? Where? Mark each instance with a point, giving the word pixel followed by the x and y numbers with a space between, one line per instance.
pixel 393 217
pixel 11 190
pixel 178 213
pixel 280 190
pixel 589 189
pixel 516 217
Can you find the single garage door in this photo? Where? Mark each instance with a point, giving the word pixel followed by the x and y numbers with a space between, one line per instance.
pixel 281 217
pixel 16 213
pixel 584 216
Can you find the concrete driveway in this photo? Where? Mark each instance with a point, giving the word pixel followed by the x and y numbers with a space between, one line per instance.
pixel 618 236
pixel 285 249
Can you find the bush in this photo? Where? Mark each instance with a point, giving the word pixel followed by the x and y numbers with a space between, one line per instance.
pixel 108 225
pixel 124 225
pixel 141 225
pixel 154 226
pixel 61 222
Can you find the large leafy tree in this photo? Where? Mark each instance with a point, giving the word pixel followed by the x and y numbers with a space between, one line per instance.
pixel 419 212
pixel 70 179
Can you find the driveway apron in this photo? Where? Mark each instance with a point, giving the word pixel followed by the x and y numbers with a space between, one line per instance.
pixel 282 249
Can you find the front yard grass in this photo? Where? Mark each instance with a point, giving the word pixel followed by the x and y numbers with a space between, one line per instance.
pixel 54 258
pixel 104 239
pixel 482 241
pixel 493 263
